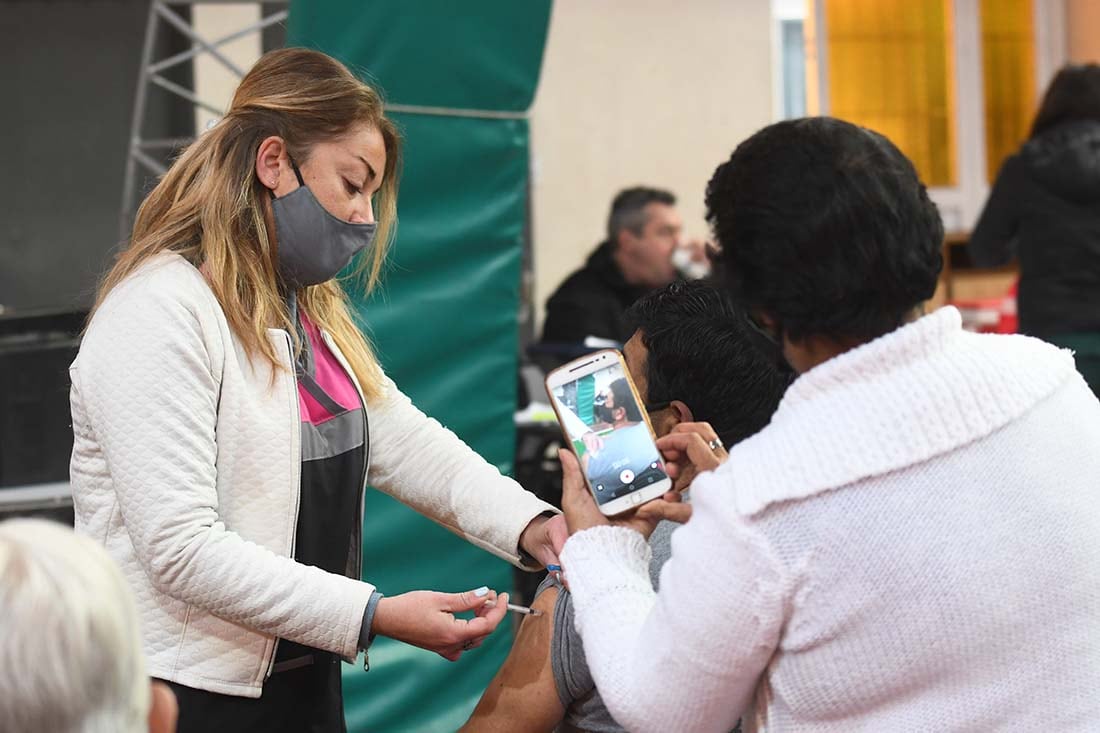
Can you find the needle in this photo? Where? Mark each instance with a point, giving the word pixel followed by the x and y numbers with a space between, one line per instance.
pixel 518 609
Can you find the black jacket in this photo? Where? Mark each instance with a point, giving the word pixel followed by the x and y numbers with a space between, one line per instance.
pixel 591 302
pixel 1044 209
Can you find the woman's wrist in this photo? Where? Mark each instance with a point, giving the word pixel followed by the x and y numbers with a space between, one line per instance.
pixel 367 632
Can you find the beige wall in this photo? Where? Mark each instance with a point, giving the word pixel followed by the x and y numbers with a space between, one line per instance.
pixel 214 82
pixel 1083 30
pixel 638 92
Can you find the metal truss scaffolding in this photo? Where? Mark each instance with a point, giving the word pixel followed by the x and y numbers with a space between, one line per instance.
pixel 149 155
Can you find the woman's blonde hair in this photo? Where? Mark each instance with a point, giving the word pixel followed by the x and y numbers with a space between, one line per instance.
pixel 209 207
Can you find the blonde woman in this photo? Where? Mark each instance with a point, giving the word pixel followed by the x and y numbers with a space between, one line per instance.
pixel 227 414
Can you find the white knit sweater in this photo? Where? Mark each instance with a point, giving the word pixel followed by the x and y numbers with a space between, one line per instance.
pixel 912 544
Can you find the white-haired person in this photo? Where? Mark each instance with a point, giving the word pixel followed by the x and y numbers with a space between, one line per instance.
pixel 70 651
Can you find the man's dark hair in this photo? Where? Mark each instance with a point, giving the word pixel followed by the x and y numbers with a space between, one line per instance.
pixel 825 227
pixel 628 210
pixel 1074 94
pixel 624 399
pixel 703 352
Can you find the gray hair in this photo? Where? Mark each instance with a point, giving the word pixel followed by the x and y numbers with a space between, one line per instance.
pixel 70 654
pixel 628 210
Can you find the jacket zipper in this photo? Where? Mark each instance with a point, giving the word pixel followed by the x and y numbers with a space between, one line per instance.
pixel 296 469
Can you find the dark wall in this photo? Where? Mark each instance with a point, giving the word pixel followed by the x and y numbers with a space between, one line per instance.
pixel 35 437
pixel 70 69
pixel 274 36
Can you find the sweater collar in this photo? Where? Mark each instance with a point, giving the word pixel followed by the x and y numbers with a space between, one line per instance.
pixel 920 339
pixel 922 390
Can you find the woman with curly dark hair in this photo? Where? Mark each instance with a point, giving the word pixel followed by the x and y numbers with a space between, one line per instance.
pixel 912 541
pixel 1044 211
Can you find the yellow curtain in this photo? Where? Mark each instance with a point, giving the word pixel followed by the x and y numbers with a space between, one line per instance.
pixel 890 67
pixel 1008 70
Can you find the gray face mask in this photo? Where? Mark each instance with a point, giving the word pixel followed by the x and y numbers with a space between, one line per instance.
pixel 313 245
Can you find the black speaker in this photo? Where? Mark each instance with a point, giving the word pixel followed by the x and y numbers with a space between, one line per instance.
pixel 36 437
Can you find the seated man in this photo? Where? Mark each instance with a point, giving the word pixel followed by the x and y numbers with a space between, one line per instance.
pixel 693 357
pixel 70 654
pixel 643 232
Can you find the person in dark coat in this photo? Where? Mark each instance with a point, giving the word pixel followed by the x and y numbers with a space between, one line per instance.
pixel 1044 210
pixel 643 230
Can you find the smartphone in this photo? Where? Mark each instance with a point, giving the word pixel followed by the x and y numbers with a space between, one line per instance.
pixel 608 429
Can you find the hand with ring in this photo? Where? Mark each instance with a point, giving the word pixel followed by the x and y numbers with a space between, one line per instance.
pixel 427 619
pixel 690 449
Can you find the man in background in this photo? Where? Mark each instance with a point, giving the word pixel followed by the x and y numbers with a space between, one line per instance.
pixel 643 232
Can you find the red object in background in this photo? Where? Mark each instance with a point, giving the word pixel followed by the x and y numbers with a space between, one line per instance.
pixel 990 315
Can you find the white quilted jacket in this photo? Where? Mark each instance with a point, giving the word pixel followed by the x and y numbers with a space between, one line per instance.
pixel 186 467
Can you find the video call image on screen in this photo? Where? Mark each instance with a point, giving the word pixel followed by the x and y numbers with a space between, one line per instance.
pixel 609 434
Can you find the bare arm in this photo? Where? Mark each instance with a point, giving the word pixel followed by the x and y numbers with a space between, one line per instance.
pixel 522 696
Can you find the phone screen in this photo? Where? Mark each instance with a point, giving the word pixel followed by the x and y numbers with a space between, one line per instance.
pixel 609 433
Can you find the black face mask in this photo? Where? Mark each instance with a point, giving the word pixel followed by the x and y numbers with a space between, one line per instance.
pixel 604 413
